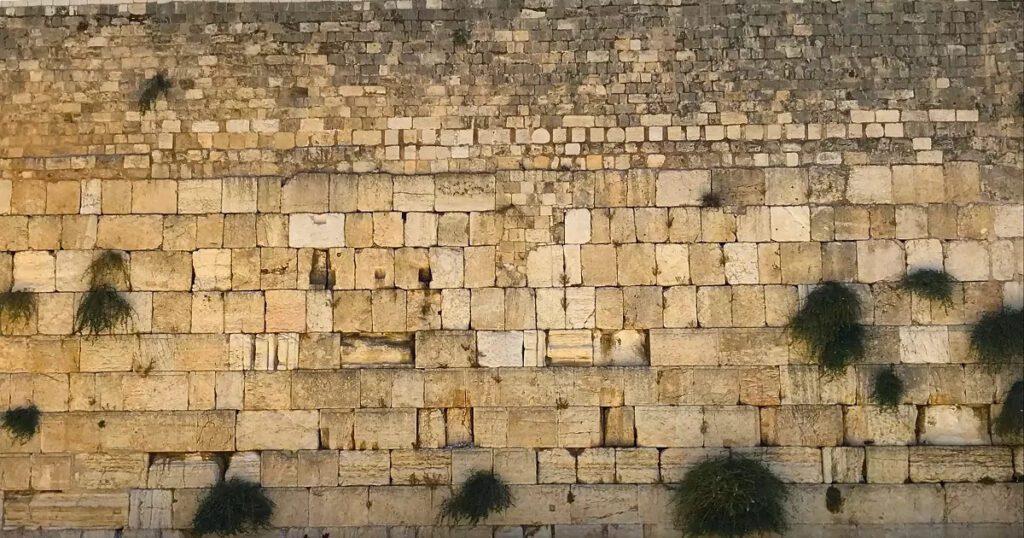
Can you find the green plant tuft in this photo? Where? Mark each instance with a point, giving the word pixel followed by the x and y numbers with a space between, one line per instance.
pixel 482 494
pixel 1010 421
pixel 828 326
pixel 730 496
pixel 101 310
pixel 711 199
pixel 234 506
pixel 833 500
pixel 931 284
pixel 16 307
pixel 998 337
pixel 108 269
pixel 887 390
pixel 461 36
pixel 152 89
pixel 22 422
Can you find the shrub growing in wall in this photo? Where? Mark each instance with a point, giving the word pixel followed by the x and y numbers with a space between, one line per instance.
pixel 22 422
pixel 103 308
pixel 931 284
pixel 828 325
pixel 998 337
pixel 234 506
pixel 730 496
pixel 152 89
pixel 887 389
pixel 482 494
pixel 1010 422
pixel 16 307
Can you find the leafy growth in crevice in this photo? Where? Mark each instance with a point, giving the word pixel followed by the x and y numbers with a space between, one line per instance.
pixel 482 494
pixel 998 337
pixel 461 36
pixel 833 500
pixel 234 506
pixel 152 89
pixel 730 496
pixel 887 389
pixel 16 308
pixel 102 310
pixel 711 199
pixel 1010 422
pixel 22 422
pixel 108 269
pixel 828 325
pixel 932 284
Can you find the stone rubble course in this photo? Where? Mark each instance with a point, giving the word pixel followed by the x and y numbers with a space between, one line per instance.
pixel 366 260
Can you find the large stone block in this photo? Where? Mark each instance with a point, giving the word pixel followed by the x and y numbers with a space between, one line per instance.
pixel 669 426
pixel 802 425
pixel 284 430
pixel 81 510
pixel 954 425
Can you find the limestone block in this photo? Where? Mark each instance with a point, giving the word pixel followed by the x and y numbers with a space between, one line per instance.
pixel 34 271
pixel 620 348
pixel 81 510
pixel 673 264
pixel 785 186
pixel 199 196
pixel 464 192
pixel 285 430
pixel 637 264
pixel 108 471
pixel 445 349
pixel 879 261
pixel 870 185
pixel 500 348
pixel 375 268
pixel 985 503
pixel 682 347
pixel 924 345
pixel 791 223
pixel 714 306
pixel 604 504
pixel 182 471
pixel 239 195
pixel 577 226
pixel 954 425
pixel 305 193
pixel 731 426
pixel 741 265
pixel 335 507
pixel 155 196
pixel 886 465
pixel 533 427
pixel 570 348
pixel 447 267
pixel 378 429
pixel 595 466
pixel 558 466
pixel 680 306
pixel 636 465
pixel 669 426
pixel 967 260
pixel 414 467
pixel 129 232
pixel 278 351
pixel 162 271
pixel 243 465
pixel 323 230
pixel 961 464
pixel 707 264
pixel 875 504
pixel 579 427
pixel 918 184
pixel 357 468
pixel 801 465
pixel 212 269
pixel 516 465
pixel 681 187
pixel 402 505
pixel 642 307
pixel 376 349
pixel 676 461
pixel 843 464
pixel 540 505
pixel 802 425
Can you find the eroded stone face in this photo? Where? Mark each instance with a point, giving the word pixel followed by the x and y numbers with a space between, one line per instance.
pixel 365 260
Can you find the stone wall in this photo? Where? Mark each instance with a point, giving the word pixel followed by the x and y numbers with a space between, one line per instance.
pixel 367 258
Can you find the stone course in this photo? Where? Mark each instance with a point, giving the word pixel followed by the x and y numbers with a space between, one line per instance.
pixel 365 261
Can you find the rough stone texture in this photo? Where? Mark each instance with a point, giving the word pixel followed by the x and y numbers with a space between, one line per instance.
pixel 366 260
